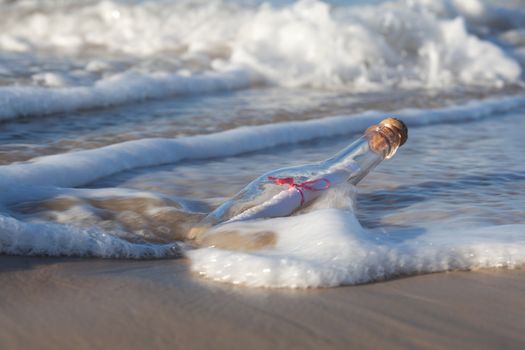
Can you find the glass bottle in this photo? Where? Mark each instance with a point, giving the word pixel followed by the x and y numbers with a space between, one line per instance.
pixel 306 182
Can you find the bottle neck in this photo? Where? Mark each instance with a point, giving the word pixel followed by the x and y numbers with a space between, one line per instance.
pixel 378 143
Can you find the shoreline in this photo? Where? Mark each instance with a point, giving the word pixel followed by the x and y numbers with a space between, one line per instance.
pixel 51 303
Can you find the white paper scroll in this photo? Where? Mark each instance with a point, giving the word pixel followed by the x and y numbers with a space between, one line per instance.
pixel 289 200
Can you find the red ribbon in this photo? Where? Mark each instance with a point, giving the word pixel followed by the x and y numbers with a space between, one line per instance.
pixel 307 185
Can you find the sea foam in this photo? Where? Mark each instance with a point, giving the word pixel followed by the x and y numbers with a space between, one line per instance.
pixel 22 238
pixel 92 55
pixel 328 247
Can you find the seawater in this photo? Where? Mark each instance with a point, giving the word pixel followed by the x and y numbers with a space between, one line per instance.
pixel 124 123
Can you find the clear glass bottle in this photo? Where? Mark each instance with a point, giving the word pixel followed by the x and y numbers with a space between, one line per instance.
pixel 351 164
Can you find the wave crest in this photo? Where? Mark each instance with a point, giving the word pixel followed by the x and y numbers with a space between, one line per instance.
pixel 76 52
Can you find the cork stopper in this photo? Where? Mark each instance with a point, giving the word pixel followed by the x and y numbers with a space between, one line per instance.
pixel 386 137
pixel 398 126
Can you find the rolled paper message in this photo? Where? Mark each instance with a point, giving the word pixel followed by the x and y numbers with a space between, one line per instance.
pixel 297 195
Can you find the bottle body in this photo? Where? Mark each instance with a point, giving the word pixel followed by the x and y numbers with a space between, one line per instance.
pixel 281 192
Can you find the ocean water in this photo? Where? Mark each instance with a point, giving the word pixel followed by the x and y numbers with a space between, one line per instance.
pixel 123 123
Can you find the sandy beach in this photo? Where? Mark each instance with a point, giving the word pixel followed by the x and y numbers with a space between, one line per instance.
pixel 51 303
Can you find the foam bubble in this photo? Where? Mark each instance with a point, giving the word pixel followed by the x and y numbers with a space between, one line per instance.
pixel 308 44
pixel 328 247
pixel 22 238
pixel 116 89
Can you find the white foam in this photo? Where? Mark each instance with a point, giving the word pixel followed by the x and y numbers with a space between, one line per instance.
pixel 21 238
pixel 329 247
pixel 130 51
pixel 310 44
pixel 118 89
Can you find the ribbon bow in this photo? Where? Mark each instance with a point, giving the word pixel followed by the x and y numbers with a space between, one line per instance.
pixel 307 185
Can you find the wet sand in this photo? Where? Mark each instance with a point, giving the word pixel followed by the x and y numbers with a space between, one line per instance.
pixel 52 303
